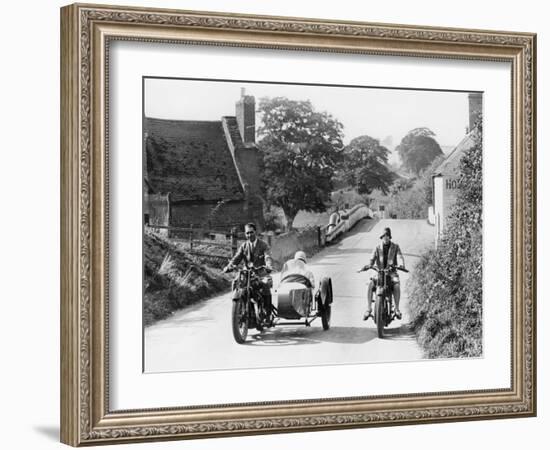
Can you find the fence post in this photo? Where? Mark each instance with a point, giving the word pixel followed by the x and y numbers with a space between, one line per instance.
pixel 233 241
pixel 191 237
pixel 169 214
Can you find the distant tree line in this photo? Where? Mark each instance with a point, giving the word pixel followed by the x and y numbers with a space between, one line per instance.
pixel 304 156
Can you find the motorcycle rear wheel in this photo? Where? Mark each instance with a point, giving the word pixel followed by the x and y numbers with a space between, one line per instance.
pixel 325 317
pixel 239 321
pixel 379 315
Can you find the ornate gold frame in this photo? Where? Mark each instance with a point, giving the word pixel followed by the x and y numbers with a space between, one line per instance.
pixel 86 31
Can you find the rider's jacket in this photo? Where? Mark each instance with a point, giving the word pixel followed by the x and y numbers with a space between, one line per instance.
pixel 297 267
pixel 257 253
pixel 394 253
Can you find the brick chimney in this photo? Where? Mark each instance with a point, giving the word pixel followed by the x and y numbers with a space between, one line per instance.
pixel 245 111
pixel 475 107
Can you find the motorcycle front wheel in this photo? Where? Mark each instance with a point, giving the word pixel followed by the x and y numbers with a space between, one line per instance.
pixel 325 302
pixel 239 321
pixel 379 315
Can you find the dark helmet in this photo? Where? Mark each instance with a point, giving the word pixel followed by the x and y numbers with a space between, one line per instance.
pixel 387 232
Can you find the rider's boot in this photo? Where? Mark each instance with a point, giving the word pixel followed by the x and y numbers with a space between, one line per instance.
pixel 269 313
pixel 368 313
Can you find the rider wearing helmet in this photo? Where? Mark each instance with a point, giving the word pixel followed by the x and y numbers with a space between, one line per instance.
pixel 297 267
pixel 386 254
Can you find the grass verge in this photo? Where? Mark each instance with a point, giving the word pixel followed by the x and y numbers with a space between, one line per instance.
pixel 173 278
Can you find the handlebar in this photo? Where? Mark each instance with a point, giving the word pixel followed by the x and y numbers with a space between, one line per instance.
pixel 253 269
pixel 388 269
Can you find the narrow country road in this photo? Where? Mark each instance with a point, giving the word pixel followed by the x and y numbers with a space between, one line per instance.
pixel 200 337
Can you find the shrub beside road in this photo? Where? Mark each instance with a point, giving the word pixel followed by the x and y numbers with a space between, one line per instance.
pixel 446 286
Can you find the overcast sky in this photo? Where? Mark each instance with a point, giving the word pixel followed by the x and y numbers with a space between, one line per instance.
pixel 376 112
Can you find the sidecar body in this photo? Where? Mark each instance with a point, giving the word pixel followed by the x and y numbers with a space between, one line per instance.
pixel 294 300
pixel 297 302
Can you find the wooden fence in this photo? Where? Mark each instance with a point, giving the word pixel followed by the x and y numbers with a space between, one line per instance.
pixel 201 241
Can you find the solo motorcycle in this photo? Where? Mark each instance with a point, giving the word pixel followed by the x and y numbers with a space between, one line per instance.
pixel 384 308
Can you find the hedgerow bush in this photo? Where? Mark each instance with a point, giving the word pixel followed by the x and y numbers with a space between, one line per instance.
pixel 446 285
pixel 409 204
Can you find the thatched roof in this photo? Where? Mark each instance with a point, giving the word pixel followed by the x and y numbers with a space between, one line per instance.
pixel 191 160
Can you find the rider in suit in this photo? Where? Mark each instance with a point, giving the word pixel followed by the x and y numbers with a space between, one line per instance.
pixel 255 251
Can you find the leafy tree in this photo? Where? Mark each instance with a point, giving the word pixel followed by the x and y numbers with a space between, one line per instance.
pixel 366 165
pixel 272 220
pixel 418 149
pixel 301 149
pixel 401 185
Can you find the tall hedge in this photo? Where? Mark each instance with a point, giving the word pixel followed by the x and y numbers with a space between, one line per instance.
pixel 446 286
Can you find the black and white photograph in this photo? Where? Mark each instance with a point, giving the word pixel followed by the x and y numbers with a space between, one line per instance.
pixel 299 225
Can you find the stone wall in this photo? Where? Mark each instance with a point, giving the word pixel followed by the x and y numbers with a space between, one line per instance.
pixel 284 246
pixel 248 164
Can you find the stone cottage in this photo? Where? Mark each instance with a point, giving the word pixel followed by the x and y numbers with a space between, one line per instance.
pixel 207 172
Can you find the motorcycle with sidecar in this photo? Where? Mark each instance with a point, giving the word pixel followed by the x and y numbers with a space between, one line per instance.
pixel 297 302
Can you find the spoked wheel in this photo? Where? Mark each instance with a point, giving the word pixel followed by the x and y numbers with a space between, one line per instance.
pixel 239 321
pixel 379 315
pixel 325 305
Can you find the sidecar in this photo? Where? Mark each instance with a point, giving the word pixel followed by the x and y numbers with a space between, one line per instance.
pixel 297 302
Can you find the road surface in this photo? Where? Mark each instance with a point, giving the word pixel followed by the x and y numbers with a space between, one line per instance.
pixel 200 337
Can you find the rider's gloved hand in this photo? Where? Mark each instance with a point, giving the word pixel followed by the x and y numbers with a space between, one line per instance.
pixel 269 269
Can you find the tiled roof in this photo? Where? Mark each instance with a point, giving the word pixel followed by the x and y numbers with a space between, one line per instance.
pixel 191 160
pixel 450 165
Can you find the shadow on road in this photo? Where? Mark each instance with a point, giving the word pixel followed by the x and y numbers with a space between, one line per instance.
pixel 307 336
pixel 400 333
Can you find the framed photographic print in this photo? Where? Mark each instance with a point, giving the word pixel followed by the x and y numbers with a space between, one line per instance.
pixel 278 224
